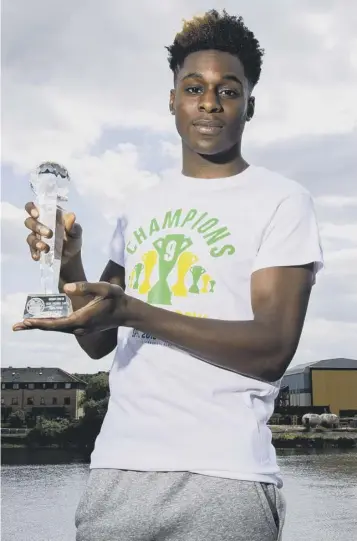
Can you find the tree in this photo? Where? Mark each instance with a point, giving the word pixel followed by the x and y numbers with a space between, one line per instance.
pixel 83 432
pixel 49 432
pixel 97 387
pixel 96 408
pixel 87 377
pixel 16 419
pixel 80 433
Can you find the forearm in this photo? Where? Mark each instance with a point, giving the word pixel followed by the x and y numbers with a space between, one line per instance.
pixel 245 347
pixel 96 345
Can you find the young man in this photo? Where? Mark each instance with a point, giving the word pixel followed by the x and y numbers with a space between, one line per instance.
pixel 217 267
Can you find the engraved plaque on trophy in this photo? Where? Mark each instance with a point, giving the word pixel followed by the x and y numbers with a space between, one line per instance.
pixel 50 184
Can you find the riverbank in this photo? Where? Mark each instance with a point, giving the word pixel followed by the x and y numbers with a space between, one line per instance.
pixel 297 437
pixel 284 437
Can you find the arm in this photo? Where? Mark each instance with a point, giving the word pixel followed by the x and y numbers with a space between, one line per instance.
pixel 99 344
pixel 261 348
pixel 283 273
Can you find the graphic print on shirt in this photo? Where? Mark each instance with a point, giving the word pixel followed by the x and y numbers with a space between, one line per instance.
pixel 172 267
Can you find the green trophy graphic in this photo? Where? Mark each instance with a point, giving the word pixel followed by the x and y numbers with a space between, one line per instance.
pixel 196 272
pixel 169 249
pixel 212 284
pixel 138 270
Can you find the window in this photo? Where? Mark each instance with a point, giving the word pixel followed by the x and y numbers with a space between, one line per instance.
pixel 2 401
pixel 31 385
pixel 15 401
pixel 3 385
pixel 67 385
pixel 42 401
pixel 54 401
pixel 67 401
pixel 15 386
pixel 30 401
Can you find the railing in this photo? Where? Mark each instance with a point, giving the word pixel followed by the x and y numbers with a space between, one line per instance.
pixel 14 430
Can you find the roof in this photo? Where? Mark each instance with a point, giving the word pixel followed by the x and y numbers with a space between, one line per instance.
pixel 336 364
pixel 37 375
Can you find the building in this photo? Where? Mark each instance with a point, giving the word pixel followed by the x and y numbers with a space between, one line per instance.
pixel 331 383
pixel 51 392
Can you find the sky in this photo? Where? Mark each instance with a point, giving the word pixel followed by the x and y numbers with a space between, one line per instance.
pixel 87 83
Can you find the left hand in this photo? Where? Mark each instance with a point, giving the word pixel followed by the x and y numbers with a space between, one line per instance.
pixel 107 310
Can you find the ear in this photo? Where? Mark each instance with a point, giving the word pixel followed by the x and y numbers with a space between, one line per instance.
pixel 250 108
pixel 172 102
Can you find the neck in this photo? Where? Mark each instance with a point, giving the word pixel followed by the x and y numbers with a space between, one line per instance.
pixel 227 164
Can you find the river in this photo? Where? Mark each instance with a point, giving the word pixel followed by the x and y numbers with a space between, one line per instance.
pixel 41 490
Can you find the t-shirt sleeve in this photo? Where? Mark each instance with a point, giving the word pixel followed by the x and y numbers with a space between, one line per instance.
pixel 292 236
pixel 117 245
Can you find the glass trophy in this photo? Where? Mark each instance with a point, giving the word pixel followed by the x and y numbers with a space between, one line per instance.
pixel 50 184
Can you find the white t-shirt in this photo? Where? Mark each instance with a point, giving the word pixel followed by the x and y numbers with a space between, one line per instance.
pixel 190 245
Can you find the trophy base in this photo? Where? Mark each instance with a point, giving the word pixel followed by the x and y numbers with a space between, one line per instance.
pixel 47 306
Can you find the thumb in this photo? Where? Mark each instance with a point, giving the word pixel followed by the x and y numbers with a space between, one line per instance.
pixel 100 289
pixel 69 220
pixel 72 228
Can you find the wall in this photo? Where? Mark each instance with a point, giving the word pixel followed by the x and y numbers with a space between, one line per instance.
pixel 336 388
pixel 299 382
pixel 300 399
pixel 22 395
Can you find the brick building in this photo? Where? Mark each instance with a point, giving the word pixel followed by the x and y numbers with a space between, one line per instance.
pixel 51 392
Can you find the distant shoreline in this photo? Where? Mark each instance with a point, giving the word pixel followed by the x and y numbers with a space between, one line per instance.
pixel 282 438
pixel 298 437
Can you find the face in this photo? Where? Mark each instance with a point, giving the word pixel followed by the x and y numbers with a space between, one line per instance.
pixel 211 102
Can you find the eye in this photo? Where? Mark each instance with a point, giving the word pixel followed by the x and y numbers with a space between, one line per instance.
pixel 193 89
pixel 229 92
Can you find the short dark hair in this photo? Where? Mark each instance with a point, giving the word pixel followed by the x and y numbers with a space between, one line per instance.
pixel 218 32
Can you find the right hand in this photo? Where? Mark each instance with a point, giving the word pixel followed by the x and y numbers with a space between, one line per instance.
pixel 72 242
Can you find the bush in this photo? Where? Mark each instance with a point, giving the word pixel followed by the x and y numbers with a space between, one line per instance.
pixel 90 424
pixel 48 432
pixel 97 388
pixel 16 419
pixel 30 421
pixel 80 433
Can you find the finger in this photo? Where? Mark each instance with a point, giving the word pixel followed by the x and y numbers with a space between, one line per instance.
pixel 38 228
pixel 36 245
pixel 19 326
pixel 31 209
pixel 101 289
pixel 31 241
pixel 61 324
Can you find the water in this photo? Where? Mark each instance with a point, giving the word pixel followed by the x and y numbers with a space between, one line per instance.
pixel 39 498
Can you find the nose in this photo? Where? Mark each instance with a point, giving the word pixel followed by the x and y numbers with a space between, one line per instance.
pixel 210 103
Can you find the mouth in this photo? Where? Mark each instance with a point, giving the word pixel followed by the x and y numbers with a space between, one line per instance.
pixel 208 127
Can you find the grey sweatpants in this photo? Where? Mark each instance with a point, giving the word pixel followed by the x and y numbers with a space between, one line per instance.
pixel 120 505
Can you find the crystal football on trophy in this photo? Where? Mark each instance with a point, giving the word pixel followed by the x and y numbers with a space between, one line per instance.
pixel 50 184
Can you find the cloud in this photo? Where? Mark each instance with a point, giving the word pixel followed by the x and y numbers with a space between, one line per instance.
pixel 342 261
pixel 10 213
pixel 336 201
pixel 325 164
pixel 13 232
pixel 111 177
pixel 339 239
pixel 70 73
pixel 327 339
pixel 89 87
